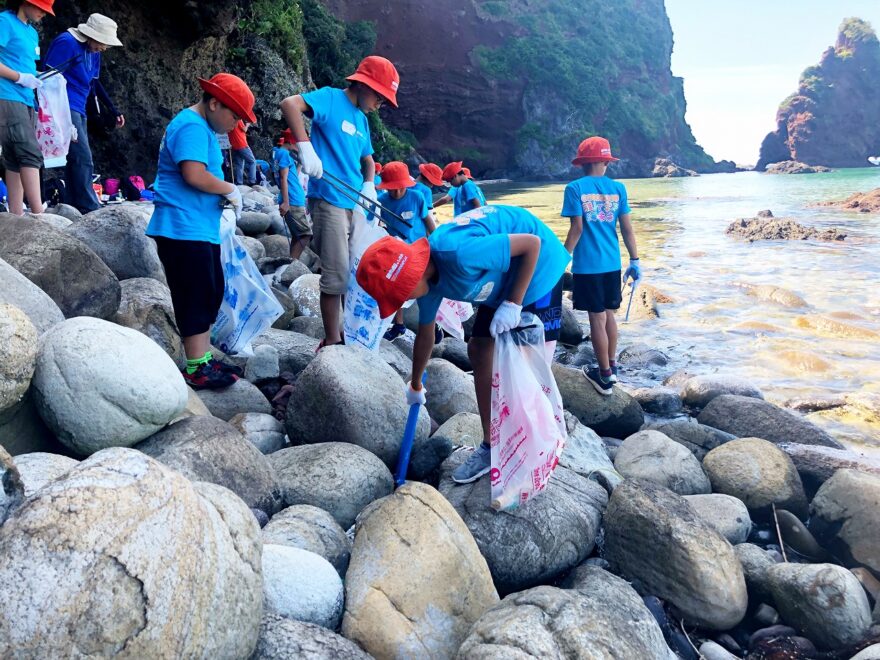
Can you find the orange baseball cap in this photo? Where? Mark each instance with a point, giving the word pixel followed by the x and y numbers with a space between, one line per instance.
pixel 45 5
pixel 232 92
pixel 432 173
pixel 467 172
pixel 395 175
pixel 594 150
pixel 390 269
pixel 452 170
pixel 378 74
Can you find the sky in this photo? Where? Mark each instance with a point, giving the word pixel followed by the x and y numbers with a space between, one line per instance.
pixel 741 58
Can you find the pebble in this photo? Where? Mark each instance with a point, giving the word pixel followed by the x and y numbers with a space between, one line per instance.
pixel 713 651
pixel 766 615
pixel 770 632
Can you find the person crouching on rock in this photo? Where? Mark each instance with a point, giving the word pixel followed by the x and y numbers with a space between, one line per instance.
pixel 594 204
pixel 500 257
pixel 292 198
pixel 400 197
pixel 464 193
pixel 341 143
pixel 185 224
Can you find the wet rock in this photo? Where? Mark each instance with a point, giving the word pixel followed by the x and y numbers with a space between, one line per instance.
pixel 338 477
pixel 642 356
pixel 698 438
pixel 99 385
pixel 652 535
pixel 585 455
pixel 581 356
pixel 652 456
pixel 658 400
pixel 295 351
pixel 531 545
pixel 20 292
pixel 571 331
pixel 282 639
pixel 263 431
pixel 712 651
pixel 779 229
pixel 301 585
pixel 240 397
pixel 313 529
pixel 795 167
pixel 253 222
pixel 746 417
pixel 755 563
pixel 414 537
pixel 698 391
pixel 777 295
pixel 463 429
pixel 146 306
pixel 209 449
pixel 546 622
pixel 263 365
pixel 825 602
pixel 39 468
pixel 758 473
pixel 307 295
pixel 450 391
pixel 453 350
pixel 797 537
pixel 846 518
pixel 726 514
pixel 618 415
pixel 18 355
pixel 98 531
pixel 288 274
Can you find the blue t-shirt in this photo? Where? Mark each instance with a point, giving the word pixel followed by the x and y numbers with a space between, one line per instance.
pixel 19 50
pixel 341 137
pixel 412 208
pixel 472 255
pixel 182 212
pixel 467 192
pixel 81 74
pixel 295 194
pixel 425 192
pixel 599 201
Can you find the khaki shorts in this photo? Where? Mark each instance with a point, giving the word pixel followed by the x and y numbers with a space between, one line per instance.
pixel 298 222
pixel 332 229
pixel 18 137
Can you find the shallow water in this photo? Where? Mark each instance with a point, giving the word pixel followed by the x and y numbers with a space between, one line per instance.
pixel 828 349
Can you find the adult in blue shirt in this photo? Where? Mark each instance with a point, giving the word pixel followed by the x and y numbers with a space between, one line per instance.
pixel 500 257
pixel 464 193
pixel 19 52
pixel 78 52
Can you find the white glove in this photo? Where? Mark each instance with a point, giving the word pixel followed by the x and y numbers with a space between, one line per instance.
pixel 237 202
pixel 368 190
pixel 29 80
pixel 413 397
pixel 507 317
pixel 311 164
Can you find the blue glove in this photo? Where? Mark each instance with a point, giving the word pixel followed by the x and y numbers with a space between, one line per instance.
pixel 634 271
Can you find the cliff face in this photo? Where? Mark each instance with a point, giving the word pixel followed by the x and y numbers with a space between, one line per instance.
pixel 834 117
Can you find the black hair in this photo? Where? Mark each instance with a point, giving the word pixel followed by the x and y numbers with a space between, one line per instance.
pixel 14 5
pixel 206 97
pixel 587 167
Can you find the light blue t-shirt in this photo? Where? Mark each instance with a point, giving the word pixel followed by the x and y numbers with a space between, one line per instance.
pixel 296 196
pixel 412 208
pixel 341 137
pixel 466 193
pixel 182 212
pixel 19 50
pixel 472 255
pixel 425 192
pixel 599 201
pixel 81 74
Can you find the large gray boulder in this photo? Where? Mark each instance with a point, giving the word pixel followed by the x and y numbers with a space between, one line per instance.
pixel 100 385
pixel 295 350
pixel 450 391
pixel 698 391
pixel 651 455
pixel 617 416
pixel 816 464
pixel 746 417
pixel 307 295
pixel 347 394
pixel 301 585
pixel 263 431
pixel 240 397
pixel 122 556
pixel 39 468
pixel 652 535
pixel 728 515
pixel 313 529
pixel 463 429
pixel 117 234
pixel 12 493
pixel 282 639
pixel 453 350
pixel 62 266
pixel 19 291
pixel 585 454
pixel 756 563
pixel 146 306
pixel 698 438
pixel 22 430
pixel 208 449
pixel 338 477
pixel 18 355
pixel 538 541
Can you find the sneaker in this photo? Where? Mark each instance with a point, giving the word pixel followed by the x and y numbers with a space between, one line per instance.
pixel 477 464
pixel 438 334
pixel 217 365
pixel 206 377
pixel 613 378
pixel 395 331
pixel 602 385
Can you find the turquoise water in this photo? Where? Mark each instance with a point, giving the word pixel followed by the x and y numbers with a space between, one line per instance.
pixel 831 348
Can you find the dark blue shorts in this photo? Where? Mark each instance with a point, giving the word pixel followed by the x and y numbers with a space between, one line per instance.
pixel 548 309
pixel 597 292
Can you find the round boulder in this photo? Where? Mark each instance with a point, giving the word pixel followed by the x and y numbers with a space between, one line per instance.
pixel 254 222
pixel 313 529
pixel 240 397
pixel 39 468
pixel 463 429
pixel 276 247
pixel 450 391
pixel 263 431
pixel 282 639
pixel 19 291
pixel 699 439
pixel 295 350
pixel 651 455
pixel 698 391
pixel 254 248
pixel 146 306
pixel 307 295
pixel 288 274
pixel 66 211
pixel 452 350
pixel 662 401
pixel 616 416
pixel 301 585
pixel 728 515
pixel 756 563
pixel 18 354
pixel 99 385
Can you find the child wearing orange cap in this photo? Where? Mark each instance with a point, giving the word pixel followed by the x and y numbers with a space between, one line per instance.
pixel 185 224
pixel 594 204
pixel 464 193
pixel 292 198
pixel 430 176
pixel 341 144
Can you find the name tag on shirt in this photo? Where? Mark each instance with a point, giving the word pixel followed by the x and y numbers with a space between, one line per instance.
pixel 348 128
pixel 407 215
pixel 485 292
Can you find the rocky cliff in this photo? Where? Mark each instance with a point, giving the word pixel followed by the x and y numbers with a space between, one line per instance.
pixel 834 117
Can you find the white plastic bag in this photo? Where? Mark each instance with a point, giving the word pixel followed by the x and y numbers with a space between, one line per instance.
pixel 249 307
pixel 52 121
pixel 527 429
pixel 362 325
pixel 452 314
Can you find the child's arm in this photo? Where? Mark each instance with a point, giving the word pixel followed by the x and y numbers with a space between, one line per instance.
pixel 196 174
pixel 528 247
pixel 629 236
pixel 430 223
pixel 293 108
pixel 284 206
pixel 446 199
pixel 574 232
pixel 368 169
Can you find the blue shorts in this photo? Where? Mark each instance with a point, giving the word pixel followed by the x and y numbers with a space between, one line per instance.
pixel 548 309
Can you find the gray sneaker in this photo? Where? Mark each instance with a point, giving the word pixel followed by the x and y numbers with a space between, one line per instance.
pixel 477 464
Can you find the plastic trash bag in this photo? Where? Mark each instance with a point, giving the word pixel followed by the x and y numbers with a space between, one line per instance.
pixel 249 307
pixel 527 431
pixel 52 122
pixel 452 314
pixel 362 325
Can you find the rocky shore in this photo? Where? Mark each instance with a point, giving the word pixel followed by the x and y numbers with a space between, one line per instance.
pixel 868 202
pixel 766 227
pixel 141 519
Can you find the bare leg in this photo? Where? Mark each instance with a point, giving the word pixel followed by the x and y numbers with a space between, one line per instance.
pixel 195 346
pixel 398 317
pixel 480 351
pixel 30 181
pixel 330 314
pixel 15 193
pixel 599 338
pixel 298 246
pixel 611 329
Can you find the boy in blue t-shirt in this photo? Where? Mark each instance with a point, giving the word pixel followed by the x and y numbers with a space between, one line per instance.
pixel 292 199
pixel 464 193
pixel 594 204
pixel 341 145
pixel 430 177
pixel 500 257
pixel 185 224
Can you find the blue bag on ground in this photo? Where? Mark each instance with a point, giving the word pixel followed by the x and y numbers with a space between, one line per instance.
pixel 249 307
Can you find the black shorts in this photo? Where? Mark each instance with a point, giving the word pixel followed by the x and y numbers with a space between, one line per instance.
pixel 596 293
pixel 548 309
pixel 195 276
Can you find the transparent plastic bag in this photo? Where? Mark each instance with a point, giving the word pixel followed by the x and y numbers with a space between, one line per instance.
pixel 52 121
pixel 361 324
pixel 452 314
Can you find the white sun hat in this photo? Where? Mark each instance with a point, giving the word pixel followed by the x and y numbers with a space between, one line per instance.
pixel 98 27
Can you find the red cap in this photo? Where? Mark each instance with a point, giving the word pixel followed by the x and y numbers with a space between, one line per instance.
pixel 594 150
pixel 432 173
pixel 280 142
pixel 378 167
pixel 396 175
pixel 232 92
pixel 452 170
pixel 467 172
pixel 378 74
pixel 45 5
pixel 390 269
pixel 287 136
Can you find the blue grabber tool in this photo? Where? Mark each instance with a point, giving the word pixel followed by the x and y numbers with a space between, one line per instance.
pixel 632 291
pixel 409 435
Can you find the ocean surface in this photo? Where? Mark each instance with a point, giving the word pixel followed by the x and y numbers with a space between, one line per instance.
pixel 829 348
